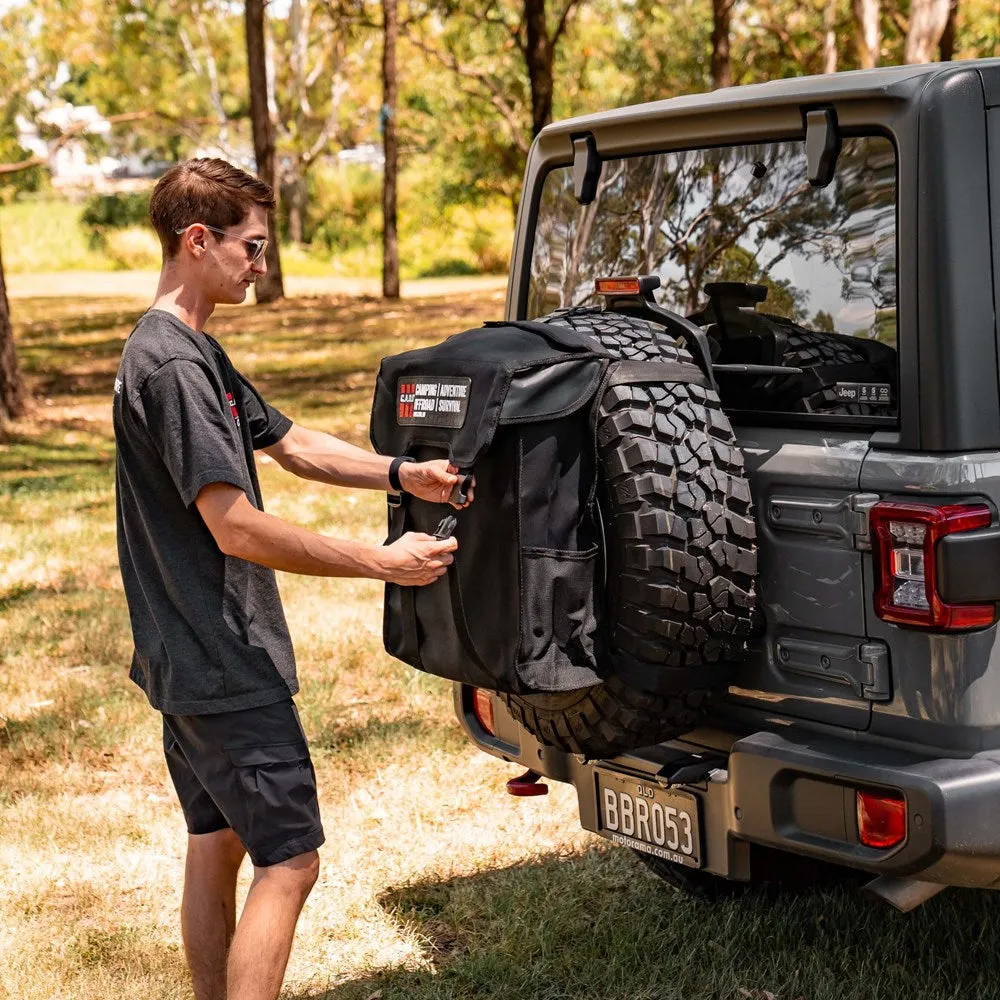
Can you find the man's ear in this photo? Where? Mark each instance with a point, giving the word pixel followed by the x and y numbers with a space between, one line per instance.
pixel 197 244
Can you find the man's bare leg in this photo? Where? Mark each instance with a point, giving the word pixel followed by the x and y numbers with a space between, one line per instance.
pixel 263 939
pixel 208 910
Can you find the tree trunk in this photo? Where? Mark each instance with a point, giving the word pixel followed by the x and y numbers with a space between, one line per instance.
pixel 270 286
pixel 830 37
pixel 928 19
pixel 390 240
pixel 947 51
pixel 294 197
pixel 538 56
pixel 13 395
pixel 868 32
pixel 722 67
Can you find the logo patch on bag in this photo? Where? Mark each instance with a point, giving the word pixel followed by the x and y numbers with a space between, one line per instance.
pixel 434 401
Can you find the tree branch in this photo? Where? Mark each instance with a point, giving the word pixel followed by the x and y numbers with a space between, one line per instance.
pixel 494 92
pixel 561 25
pixel 81 128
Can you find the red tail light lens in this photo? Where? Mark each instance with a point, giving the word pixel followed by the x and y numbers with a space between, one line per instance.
pixel 905 536
pixel 881 818
pixel 482 709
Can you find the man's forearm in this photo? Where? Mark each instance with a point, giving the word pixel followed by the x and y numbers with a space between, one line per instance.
pixel 262 538
pixel 326 459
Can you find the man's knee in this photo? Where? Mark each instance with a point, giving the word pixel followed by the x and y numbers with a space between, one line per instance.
pixel 298 874
pixel 221 848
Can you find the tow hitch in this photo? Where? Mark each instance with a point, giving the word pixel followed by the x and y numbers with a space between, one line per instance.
pixel 528 783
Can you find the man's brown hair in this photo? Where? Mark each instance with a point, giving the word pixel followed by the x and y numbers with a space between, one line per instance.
pixel 206 190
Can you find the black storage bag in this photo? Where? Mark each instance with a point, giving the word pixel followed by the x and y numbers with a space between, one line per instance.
pixel 516 404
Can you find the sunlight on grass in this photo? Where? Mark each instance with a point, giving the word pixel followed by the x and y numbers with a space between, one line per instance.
pixel 435 883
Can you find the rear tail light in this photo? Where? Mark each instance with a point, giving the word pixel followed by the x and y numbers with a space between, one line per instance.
pixel 905 537
pixel 482 709
pixel 881 818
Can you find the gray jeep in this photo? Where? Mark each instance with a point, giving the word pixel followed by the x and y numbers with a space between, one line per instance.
pixel 828 249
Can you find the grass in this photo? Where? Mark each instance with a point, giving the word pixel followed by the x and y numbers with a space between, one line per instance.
pixel 45 235
pixel 435 884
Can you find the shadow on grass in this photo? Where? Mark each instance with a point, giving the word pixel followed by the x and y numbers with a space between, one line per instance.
pixel 598 926
pixel 357 330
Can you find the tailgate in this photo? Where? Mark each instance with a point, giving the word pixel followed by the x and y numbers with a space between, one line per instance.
pixel 811 657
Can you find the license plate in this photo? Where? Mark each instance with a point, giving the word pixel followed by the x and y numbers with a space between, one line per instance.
pixel 642 815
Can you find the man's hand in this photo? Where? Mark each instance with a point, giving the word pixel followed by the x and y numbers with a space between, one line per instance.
pixel 417 559
pixel 432 481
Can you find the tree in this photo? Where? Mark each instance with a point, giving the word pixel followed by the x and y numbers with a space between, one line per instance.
pixel 499 59
pixel 270 286
pixel 947 49
pixel 390 245
pixel 867 32
pixel 722 68
pixel 13 394
pixel 321 93
pixel 830 36
pixel 928 20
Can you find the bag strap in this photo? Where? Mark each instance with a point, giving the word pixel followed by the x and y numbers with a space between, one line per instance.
pixel 557 334
pixel 645 372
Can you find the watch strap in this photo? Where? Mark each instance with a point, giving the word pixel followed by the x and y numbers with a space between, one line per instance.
pixel 394 471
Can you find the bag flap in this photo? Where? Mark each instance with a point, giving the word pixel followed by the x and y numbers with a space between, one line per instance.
pixel 553 391
pixel 451 395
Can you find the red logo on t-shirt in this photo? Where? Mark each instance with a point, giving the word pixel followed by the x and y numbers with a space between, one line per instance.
pixel 232 407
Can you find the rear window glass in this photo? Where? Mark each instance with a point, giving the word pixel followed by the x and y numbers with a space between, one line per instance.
pixel 822 259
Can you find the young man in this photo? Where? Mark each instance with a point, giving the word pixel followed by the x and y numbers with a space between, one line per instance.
pixel 198 554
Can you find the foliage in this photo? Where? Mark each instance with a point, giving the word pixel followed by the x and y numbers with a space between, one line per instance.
pixel 103 212
pixel 466 98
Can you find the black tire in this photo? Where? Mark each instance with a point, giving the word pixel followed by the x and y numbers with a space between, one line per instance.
pixel 770 869
pixel 679 546
pixel 811 350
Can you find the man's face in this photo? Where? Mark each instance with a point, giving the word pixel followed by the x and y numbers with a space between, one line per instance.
pixel 225 265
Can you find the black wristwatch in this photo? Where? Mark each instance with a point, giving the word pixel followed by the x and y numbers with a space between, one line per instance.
pixel 394 471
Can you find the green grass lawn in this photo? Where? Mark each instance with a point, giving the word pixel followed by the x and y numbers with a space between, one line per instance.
pixel 435 884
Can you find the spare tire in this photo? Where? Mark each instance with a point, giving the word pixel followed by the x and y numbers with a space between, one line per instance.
pixel 680 555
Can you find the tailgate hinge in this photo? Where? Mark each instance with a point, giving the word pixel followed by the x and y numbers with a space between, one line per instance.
pixel 844 518
pixel 875 655
pixel 863 667
pixel 860 507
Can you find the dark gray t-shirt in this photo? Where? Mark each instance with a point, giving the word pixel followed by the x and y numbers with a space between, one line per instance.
pixel 209 631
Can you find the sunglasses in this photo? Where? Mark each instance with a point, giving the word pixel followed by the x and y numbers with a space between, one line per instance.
pixel 255 248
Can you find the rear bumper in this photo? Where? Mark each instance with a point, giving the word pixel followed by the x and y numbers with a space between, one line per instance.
pixel 795 791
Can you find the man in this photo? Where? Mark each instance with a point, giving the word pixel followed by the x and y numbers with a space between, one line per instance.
pixel 198 554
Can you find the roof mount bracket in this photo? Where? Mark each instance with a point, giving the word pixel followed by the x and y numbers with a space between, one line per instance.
pixel 586 168
pixel 822 145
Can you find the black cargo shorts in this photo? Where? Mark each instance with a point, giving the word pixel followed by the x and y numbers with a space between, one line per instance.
pixel 249 771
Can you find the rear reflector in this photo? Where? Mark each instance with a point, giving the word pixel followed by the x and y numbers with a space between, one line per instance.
pixel 906 536
pixel 482 708
pixel 881 818
pixel 617 286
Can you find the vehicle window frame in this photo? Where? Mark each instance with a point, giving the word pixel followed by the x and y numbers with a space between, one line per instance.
pixel 743 417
